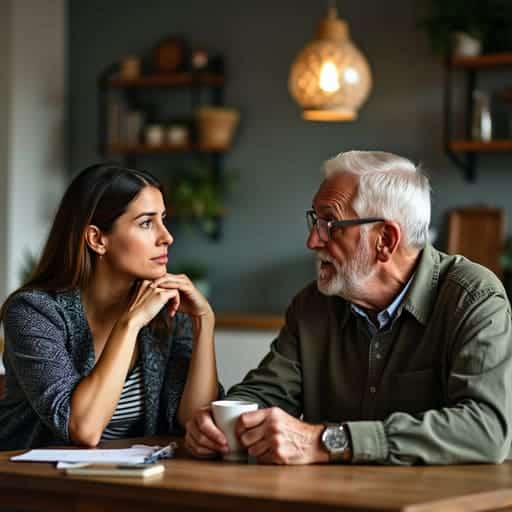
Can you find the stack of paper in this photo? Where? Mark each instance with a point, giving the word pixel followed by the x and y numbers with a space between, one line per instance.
pixel 134 455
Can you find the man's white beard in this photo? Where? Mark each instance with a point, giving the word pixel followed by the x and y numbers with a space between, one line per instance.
pixel 350 279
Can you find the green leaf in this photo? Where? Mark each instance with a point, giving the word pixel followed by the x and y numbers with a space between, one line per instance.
pixel 198 197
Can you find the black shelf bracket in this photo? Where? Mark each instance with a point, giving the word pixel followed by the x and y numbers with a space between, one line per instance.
pixel 466 161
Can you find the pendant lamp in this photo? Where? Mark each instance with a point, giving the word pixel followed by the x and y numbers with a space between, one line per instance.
pixel 330 78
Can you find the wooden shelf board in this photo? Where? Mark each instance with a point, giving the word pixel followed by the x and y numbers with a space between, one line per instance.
pixel 480 146
pixel 144 149
pixel 246 321
pixel 168 80
pixel 483 61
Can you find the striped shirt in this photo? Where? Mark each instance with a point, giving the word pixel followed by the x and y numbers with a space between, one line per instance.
pixel 128 418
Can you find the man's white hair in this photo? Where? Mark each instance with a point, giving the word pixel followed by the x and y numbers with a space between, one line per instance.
pixel 389 186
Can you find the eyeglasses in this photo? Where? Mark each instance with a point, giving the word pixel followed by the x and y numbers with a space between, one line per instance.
pixel 324 227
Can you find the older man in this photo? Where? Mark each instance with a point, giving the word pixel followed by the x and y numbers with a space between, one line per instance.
pixel 398 354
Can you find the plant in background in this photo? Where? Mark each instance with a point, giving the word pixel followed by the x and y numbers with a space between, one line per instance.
pixel 196 195
pixel 506 256
pixel 197 272
pixel 485 20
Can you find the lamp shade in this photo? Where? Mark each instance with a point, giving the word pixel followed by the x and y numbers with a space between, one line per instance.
pixel 330 78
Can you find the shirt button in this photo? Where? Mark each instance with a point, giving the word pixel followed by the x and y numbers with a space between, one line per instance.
pixel 378 356
pixel 377 344
pixel 373 389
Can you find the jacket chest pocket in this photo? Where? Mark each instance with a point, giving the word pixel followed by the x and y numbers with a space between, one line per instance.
pixel 414 392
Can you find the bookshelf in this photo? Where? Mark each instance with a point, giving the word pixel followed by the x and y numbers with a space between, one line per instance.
pixel 464 152
pixel 125 107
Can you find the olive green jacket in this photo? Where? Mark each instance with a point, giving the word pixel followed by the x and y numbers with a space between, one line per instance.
pixel 435 387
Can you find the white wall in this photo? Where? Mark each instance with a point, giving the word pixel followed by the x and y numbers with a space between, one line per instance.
pixel 239 351
pixel 5 59
pixel 32 118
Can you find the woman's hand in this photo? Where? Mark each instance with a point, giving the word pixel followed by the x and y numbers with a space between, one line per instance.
pixel 150 299
pixel 190 301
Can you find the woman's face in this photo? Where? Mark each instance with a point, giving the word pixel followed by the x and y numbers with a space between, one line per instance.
pixel 137 245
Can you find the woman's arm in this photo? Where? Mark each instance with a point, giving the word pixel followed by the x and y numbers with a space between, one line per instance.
pixel 96 396
pixel 201 384
pixel 37 352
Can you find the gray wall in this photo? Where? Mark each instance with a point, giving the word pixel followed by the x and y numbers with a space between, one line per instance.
pixel 262 260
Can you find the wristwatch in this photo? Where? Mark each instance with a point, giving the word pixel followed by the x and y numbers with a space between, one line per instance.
pixel 335 440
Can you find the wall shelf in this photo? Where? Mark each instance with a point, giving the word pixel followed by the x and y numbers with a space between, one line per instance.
pixel 483 61
pixel 127 106
pixel 464 152
pixel 493 146
pixel 145 149
pixel 246 321
pixel 168 80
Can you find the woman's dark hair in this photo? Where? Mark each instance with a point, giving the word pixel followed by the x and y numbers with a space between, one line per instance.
pixel 98 195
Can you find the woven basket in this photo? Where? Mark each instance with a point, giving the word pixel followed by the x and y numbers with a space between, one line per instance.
pixel 216 126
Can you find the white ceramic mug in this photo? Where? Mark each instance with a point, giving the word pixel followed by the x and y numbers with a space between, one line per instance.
pixel 226 413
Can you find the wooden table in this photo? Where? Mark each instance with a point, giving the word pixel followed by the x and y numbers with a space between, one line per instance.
pixel 191 485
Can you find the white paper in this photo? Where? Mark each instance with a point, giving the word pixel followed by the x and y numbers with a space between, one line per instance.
pixel 134 455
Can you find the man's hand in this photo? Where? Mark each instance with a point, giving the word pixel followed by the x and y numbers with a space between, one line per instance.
pixel 203 438
pixel 275 437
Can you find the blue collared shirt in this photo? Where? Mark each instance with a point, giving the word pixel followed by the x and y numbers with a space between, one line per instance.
pixel 386 316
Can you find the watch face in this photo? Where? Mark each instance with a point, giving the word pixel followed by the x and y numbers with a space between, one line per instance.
pixel 335 439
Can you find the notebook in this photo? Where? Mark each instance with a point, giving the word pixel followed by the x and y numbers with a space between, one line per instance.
pixel 128 470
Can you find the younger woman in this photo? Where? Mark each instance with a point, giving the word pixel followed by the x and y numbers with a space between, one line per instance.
pixel 102 342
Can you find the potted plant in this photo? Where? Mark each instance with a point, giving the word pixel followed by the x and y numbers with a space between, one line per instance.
pixel 197 196
pixel 463 22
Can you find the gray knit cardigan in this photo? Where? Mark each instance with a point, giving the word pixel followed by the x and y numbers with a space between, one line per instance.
pixel 49 349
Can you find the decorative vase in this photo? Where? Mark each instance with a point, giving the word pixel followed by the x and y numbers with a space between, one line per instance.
pixel 481 128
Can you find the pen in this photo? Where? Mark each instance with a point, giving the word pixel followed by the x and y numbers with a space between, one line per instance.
pixel 162 453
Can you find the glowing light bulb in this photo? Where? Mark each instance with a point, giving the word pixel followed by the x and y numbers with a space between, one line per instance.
pixel 329 81
pixel 330 78
pixel 351 75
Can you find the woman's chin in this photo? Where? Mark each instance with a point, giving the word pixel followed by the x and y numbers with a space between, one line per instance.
pixel 160 273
